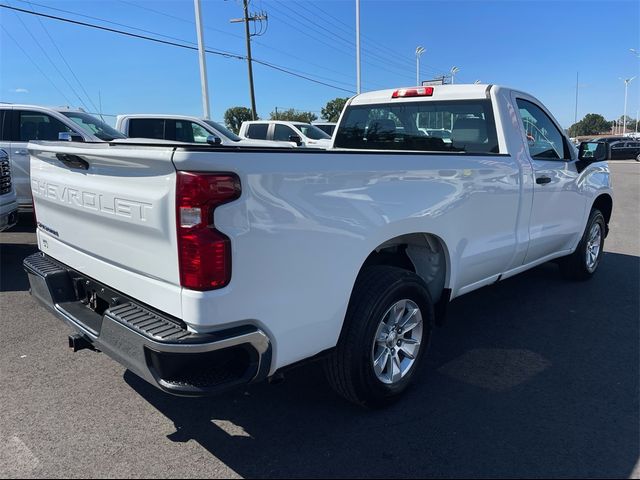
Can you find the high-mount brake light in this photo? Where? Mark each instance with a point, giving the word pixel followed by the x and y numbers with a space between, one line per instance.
pixel 413 92
pixel 204 254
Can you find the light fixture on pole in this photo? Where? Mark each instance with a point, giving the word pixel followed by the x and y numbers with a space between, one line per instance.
pixel 453 72
pixel 626 81
pixel 419 52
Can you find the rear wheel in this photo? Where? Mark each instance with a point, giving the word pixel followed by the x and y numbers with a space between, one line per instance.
pixel 638 158
pixel 583 263
pixel 386 333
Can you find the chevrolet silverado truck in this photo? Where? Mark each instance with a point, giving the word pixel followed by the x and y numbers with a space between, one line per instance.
pixel 201 268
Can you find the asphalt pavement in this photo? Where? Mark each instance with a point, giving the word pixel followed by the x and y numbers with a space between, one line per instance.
pixel 533 377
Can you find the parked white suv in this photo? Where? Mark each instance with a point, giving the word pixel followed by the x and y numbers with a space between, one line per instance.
pixel 182 128
pixel 20 124
pixel 299 133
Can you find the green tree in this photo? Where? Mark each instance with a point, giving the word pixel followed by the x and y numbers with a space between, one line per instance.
pixel 591 124
pixel 332 110
pixel 292 115
pixel 234 117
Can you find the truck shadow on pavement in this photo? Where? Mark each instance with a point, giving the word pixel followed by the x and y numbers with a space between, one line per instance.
pixel 12 276
pixel 532 377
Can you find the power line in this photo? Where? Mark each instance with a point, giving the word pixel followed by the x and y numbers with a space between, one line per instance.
pixel 393 59
pixel 338 49
pixel 36 64
pixel 46 30
pixel 256 42
pixel 336 22
pixel 46 54
pixel 172 43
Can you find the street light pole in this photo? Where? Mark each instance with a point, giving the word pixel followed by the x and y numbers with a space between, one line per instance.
pixel 358 89
pixel 627 81
pixel 419 52
pixel 203 62
pixel 454 70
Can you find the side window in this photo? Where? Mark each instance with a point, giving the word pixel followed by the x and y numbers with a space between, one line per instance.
pixel 258 131
pixel 282 133
pixel 2 126
pixel 184 132
pixel 544 140
pixel 199 134
pixel 39 126
pixel 617 145
pixel 147 128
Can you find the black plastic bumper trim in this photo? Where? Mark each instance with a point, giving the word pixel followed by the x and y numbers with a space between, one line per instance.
pixel 157 347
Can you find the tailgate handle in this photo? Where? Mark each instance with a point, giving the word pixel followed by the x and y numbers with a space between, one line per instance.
pixel 73 161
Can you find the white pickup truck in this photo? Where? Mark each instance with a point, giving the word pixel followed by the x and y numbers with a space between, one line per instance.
pixel 200 268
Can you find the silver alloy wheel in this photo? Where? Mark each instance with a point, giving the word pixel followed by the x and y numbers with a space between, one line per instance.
pixel 594 243
pixel 397 341
pixel 638 158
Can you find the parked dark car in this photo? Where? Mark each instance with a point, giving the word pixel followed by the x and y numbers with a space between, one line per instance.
pixel 622 148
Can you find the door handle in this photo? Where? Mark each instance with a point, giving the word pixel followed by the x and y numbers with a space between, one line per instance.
pixel 543 180
pixel 20 152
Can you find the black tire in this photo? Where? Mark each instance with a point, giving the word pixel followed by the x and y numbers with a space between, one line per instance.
pixel 349 369
pixel 574 266
pixel 638 158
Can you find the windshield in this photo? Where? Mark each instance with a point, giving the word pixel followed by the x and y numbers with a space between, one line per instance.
pixel 93 126
pixel 311 131
pixel 224 131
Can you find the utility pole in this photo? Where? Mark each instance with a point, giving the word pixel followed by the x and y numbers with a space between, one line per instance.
pixel 246 19
pixel 358 89
pixel 203 61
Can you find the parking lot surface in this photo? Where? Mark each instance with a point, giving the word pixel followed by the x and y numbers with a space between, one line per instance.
pixel 533 377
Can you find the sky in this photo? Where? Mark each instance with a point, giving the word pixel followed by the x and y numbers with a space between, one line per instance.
pixel 534 46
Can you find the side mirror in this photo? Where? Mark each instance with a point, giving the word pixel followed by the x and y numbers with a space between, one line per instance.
pixel 70 137
pixel 213 140
pixel 591 152
pixel 296 139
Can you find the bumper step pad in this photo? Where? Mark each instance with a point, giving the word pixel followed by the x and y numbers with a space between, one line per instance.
pixel 148 323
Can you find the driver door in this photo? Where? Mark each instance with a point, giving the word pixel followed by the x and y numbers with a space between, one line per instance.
pixel 557 214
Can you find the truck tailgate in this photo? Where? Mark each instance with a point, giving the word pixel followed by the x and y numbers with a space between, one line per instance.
pixel 109 211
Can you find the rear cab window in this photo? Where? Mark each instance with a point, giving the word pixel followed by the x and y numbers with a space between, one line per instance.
pixel 147 128
pixel 463 126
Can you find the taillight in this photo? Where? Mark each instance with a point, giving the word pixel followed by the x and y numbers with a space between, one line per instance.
pixel 204 254
pixel 413 92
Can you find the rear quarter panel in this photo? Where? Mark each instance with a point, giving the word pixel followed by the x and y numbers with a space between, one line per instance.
pixel 306 222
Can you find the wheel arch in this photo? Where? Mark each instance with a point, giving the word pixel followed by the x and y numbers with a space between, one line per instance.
pixel 425 254
pixel 604 203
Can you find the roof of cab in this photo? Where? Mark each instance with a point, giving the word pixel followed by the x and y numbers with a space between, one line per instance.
pixel 440 92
